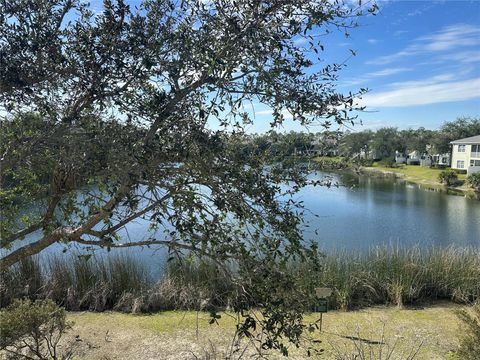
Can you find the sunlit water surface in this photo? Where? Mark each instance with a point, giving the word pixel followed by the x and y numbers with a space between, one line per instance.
pixel 361 213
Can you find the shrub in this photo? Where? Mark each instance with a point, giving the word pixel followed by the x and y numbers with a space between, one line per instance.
pixel 470 340
pixel 388 162
pixel 448 177
pixel 32 330
pixel 473 181
pixel 363 162
pixel 329 163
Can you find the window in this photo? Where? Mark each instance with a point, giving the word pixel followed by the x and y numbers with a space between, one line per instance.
pixel 460 164
pixel 461 148
pixel 474 162
pixel 475 148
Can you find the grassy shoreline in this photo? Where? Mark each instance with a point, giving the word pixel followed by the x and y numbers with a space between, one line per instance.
pixel 426 184
pixel 394 297
pixel 426 177
pixel 384 275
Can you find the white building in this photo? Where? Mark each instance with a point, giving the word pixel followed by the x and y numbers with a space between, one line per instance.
pixel 400 158
pixel 413 158
pixel 441 159
pixel 466 154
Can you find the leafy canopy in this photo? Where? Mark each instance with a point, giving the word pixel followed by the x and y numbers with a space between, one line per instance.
pixel 107 118
pixel 135 113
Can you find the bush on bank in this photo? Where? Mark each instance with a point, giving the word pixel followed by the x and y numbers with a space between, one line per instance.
pixel 473 180
pixel 448 177
pixel 33 330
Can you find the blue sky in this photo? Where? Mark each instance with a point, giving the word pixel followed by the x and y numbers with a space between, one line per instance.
pixel 419 59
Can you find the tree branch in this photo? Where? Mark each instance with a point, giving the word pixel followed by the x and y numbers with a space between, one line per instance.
pixel 4 242
pixel 125 221
pixel 34 248
pixel 63 233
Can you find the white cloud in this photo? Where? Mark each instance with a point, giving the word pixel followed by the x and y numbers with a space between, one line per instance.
pixel 382 60
pixel 369 76
pixel 374 124
pixel 430 91
pixel 421 10
pixel 269 112
pixel 430 81
pixel 452 37
pixel 463 57
pixel 263 112
pixel 300 41
pixel 415 13
pixel 353 82
pixel 372 41
pixel 388 71
pixel 449 38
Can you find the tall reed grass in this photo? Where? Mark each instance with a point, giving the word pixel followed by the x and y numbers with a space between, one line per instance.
pixel 380 276
pixel 401 276
pixel 75 282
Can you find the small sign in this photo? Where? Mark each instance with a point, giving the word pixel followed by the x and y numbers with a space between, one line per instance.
pixel 322 306
pixel 323 293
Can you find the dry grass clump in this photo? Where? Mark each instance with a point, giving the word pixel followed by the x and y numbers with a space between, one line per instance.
pixel 380 276
pixel 402 276
pixel 118 283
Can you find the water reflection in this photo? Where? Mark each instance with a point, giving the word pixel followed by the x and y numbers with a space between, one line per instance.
pixel 362 213
pixel 379 211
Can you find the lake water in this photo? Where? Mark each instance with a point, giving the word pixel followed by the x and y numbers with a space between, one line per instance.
pixel 361 213
pixel 373 211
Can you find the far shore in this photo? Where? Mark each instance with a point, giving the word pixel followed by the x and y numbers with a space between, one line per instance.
pixel 426 177
pixel 424 181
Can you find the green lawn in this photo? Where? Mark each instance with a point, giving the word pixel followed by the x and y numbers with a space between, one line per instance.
pixel 329 158
pixel 188 335
pixel 416 173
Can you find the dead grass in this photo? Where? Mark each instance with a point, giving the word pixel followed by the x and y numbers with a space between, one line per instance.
pixel 187 335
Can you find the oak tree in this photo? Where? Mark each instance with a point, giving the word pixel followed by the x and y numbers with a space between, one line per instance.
pixel 138 112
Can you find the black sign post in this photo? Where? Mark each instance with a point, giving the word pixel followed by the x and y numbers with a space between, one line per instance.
pixel 322 305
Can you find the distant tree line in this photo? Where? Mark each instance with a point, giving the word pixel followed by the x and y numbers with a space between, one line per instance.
pixel 382 142
pixel 276 144
pixel 385 141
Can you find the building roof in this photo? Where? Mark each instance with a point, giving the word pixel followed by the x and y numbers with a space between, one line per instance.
pixel 469 140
